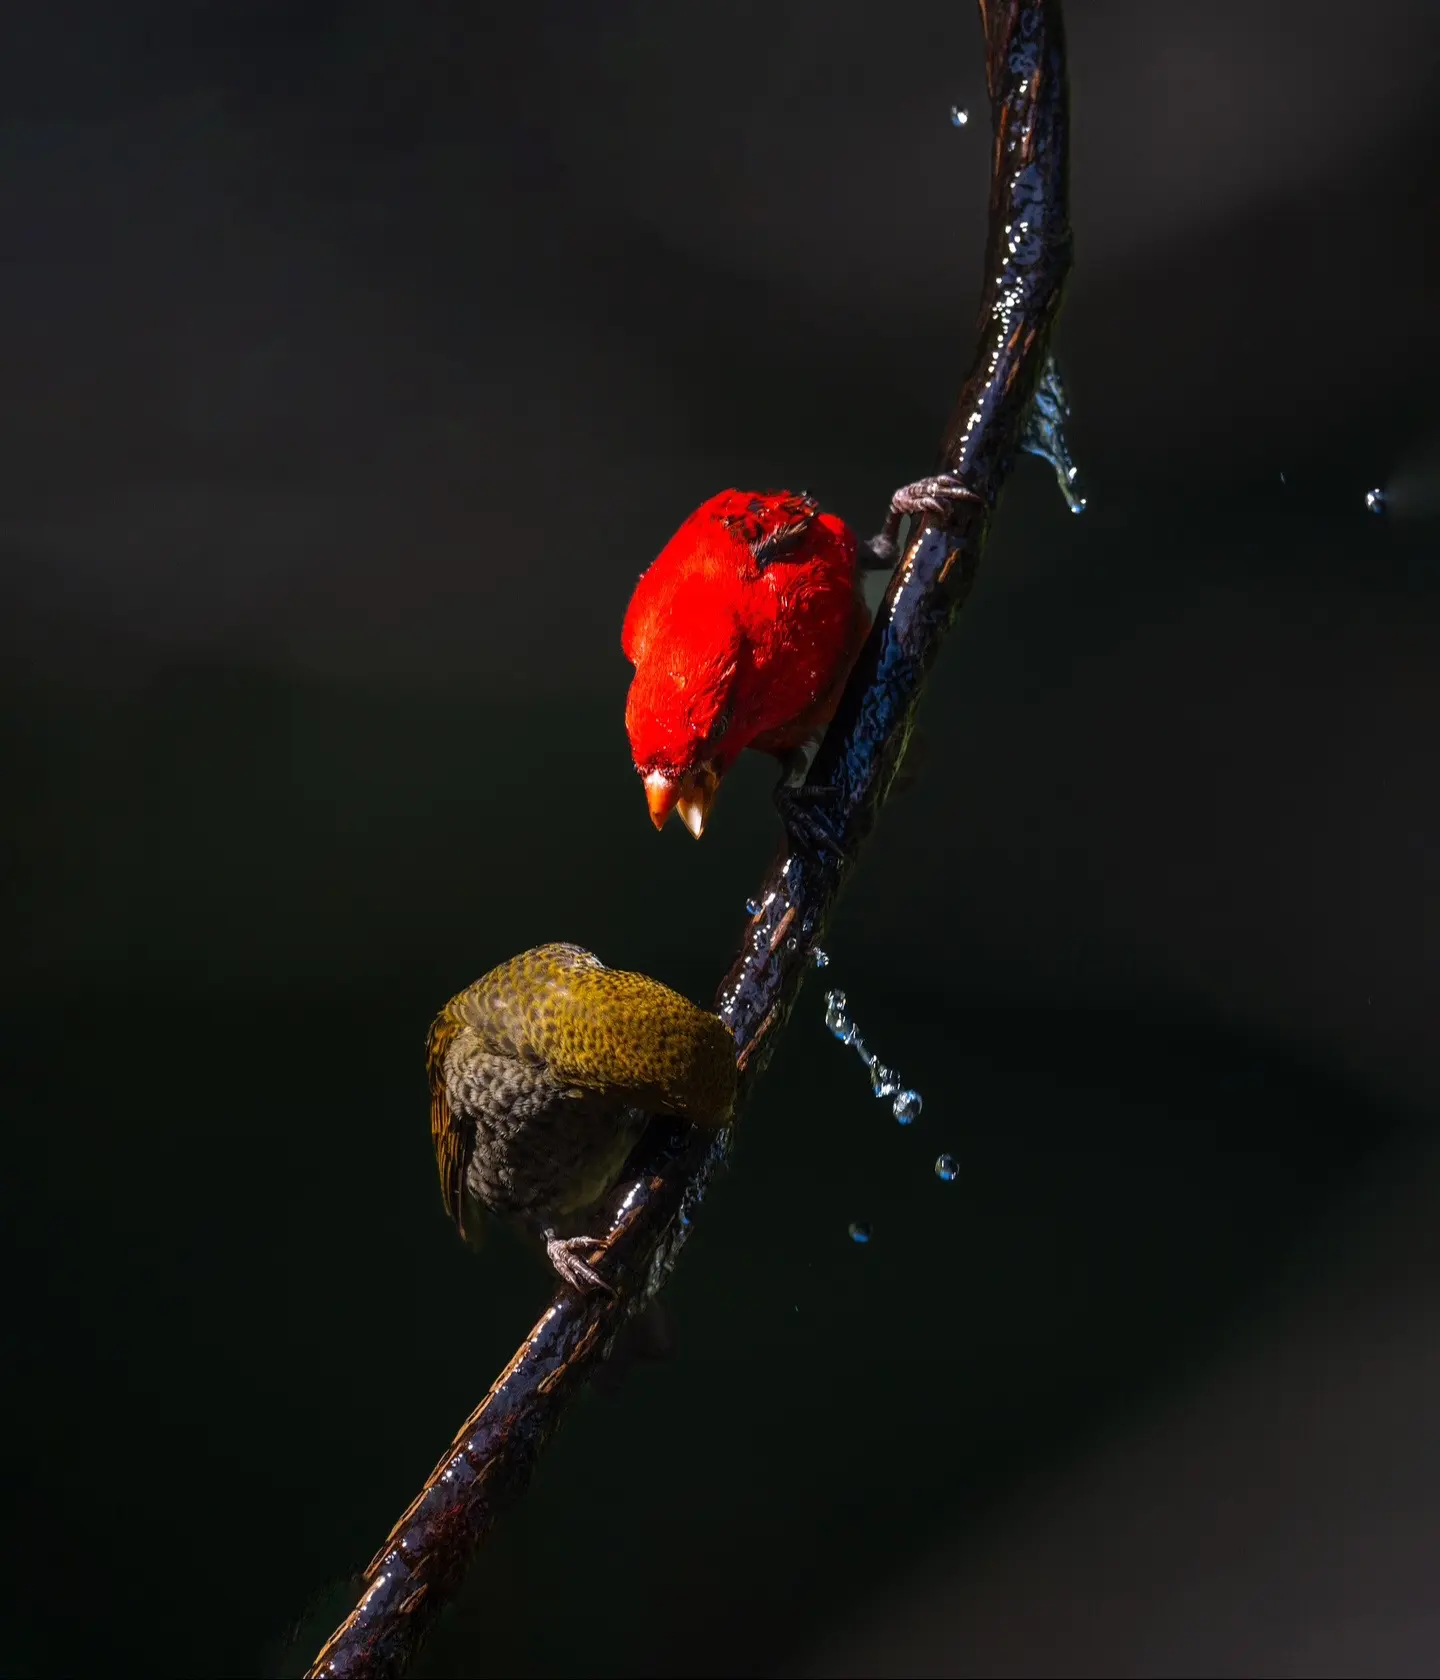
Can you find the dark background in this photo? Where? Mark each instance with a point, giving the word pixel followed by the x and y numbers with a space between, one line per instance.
pixel 356 359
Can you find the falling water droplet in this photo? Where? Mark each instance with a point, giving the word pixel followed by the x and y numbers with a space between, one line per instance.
pixel 792 944
pixel 959 115
pixel 884 1082
pixel 947 1168
pixel 1043 431
pixel 1375 500
pixel 907 1107
pixel 837 1017
pixel 860 1231
pixel 753 906
pixel 819 958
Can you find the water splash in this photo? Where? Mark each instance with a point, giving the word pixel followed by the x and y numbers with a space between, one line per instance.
pixel 907 1107
pixel 959 116
pixel 860 1230
pixel 1043 433
pixel 884 1081
pixel 1375 501
pixel 947 1169
pixel 819 958
pixel 837 1017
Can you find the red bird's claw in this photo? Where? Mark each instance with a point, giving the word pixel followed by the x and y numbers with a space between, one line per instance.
pixel 807 822
pixel 936 495
pixel 564 1254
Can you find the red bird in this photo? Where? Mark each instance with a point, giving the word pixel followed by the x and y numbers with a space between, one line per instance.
pixel 742 634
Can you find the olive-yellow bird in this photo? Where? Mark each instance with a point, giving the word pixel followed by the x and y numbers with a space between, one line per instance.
pixel 542 1075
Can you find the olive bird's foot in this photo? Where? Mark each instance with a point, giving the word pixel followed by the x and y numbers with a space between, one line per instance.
pixel 937 496
pixel 564 1254
pixel 810 822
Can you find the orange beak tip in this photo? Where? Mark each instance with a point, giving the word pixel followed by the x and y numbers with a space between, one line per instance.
pixel 692 814
pixel 661 795
pixel 691 794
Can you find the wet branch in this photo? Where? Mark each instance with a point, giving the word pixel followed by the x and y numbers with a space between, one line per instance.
pixel 1027 259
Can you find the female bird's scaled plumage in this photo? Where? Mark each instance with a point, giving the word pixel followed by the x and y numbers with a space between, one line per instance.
pixel 542 1075
pixel 742 633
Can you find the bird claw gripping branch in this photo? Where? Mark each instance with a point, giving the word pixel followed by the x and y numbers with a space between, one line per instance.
pixel 542 1075
pixel 565 1254
pixel 936 496
pixel 806 812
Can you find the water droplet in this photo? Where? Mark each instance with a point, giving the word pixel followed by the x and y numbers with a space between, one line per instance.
pixel 837 1017
pixel 947 1168
pixel 1043 430
pixel 819 958
pixel 860 1230
pixel 959 115
pixel 753 906
pixel 1282 478
pixel 884 1082
pixel 907 1107
pixel 792 943
pixel 1375 500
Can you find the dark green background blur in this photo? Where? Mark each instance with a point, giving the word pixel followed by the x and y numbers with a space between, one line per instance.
pixel 357 360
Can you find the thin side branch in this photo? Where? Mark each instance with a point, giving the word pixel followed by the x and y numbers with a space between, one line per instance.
pixel 1026 264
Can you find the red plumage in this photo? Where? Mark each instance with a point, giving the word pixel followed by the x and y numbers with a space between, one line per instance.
pixel 742 633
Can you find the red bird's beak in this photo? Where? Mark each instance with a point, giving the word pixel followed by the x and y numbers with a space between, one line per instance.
pixel 661 795
pixel 691 795
pixel 697 795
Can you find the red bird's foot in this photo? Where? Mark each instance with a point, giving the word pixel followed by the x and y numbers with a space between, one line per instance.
pixel 936 496
pixel 809 826
pixel 564 1254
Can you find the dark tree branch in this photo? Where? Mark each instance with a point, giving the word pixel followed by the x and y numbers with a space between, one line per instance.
pixel 1026 264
